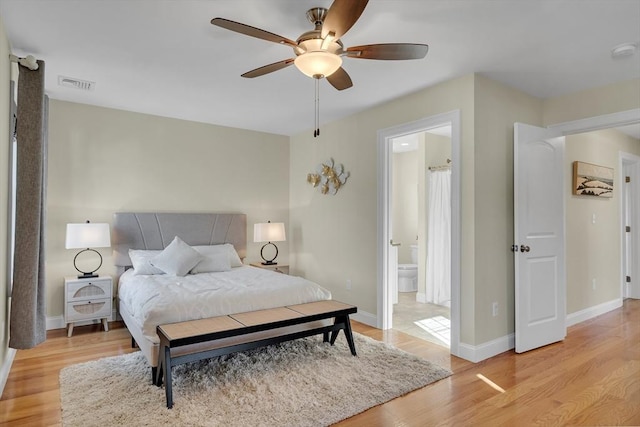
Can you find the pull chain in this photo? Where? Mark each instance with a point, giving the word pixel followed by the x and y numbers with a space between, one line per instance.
pixel 316 131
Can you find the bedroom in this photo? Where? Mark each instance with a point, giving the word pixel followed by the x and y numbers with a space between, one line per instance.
pixel 330 239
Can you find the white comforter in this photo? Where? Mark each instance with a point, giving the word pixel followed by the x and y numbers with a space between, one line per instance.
pixel 158 299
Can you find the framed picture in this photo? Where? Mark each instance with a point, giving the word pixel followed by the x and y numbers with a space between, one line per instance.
pixel 592 180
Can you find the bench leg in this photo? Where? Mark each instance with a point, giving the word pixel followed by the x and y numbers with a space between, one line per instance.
pixel 325 337
pixel 346 326
pixel 349 335
pixel 334 335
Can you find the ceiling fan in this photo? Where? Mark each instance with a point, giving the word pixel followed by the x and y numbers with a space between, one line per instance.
pixel 319 52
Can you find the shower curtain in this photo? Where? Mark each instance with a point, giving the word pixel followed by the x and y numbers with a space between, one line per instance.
pixel 438 280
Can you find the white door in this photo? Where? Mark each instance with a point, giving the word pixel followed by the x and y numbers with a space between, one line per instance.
pixel 540 286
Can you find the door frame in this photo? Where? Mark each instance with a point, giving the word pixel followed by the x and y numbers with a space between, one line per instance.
pixel 385 137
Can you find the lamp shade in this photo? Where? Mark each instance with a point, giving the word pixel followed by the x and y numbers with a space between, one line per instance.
pixel 88 235
pixel 269 232
pixel 318 63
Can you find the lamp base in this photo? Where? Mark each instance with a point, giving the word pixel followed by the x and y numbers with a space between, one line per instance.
pixel 87 274
pixel 268 261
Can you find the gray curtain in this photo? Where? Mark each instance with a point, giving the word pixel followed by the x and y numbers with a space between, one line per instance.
pixel 27 322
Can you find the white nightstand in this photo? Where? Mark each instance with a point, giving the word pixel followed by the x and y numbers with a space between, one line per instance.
pixel 87 299
pixel 280 268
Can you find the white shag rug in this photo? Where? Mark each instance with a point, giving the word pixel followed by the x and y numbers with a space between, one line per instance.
pixel 298 383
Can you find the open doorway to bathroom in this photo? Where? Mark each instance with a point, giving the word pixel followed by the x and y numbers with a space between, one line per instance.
pixel 421 234
pixel 387 268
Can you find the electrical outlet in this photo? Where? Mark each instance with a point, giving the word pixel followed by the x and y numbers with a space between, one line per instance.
pixel 495 309
pixel 593 284
pixel 348 284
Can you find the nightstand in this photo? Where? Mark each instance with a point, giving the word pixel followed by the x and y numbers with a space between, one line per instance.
pixel 87 299
pixel 280 268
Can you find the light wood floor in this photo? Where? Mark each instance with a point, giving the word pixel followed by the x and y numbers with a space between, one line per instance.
pixel 591 378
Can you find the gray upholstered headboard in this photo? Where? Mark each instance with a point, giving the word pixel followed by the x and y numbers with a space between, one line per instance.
pixel 155 230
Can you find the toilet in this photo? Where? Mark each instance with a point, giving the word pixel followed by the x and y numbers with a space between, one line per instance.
pixel 408 273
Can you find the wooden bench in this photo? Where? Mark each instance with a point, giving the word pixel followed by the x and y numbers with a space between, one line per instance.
pixel 194 340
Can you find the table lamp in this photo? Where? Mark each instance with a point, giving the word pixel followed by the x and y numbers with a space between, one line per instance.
pixel 269 232
pixel 87 235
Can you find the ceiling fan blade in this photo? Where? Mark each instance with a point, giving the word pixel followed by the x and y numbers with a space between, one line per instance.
pixel 340 79
pixel 389 51
pixel 268 68
pixel 252 31
pixel 341 16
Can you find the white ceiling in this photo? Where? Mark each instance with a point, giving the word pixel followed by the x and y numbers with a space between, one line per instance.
pixel 164 57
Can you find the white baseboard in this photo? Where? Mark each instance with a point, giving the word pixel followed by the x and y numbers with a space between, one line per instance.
pixel 366 318
pixel 421 297
pixel 591 312
pixel 500 345
pixel 57 322
pixel 486 350
pixel 6 368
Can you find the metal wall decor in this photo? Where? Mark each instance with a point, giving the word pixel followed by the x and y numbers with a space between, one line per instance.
pixel 329 177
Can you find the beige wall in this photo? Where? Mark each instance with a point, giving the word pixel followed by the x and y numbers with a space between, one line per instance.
pixel 5 98
pixel 498 107
pixel 593 250
pixel 102 161
pixel 405 203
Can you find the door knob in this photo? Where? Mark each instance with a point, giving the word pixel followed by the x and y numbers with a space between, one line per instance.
pixel 524 248
pixel 393 244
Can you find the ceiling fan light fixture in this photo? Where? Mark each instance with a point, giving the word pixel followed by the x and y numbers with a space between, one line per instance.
pixel 318 62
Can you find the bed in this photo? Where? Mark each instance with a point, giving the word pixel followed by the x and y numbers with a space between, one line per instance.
pixel 148 300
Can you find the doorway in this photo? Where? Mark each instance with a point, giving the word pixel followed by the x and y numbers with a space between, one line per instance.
pixel 387 274
pixel 421 234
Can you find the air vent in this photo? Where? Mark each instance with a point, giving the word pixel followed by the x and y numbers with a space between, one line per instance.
pixel 76 83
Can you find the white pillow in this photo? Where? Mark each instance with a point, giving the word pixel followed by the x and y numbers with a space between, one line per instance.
pixel 140 260
pixel 177 258
pixel 212 263
pixel 234 258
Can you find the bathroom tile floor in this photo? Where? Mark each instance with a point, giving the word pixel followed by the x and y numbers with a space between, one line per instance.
pixel 429 322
